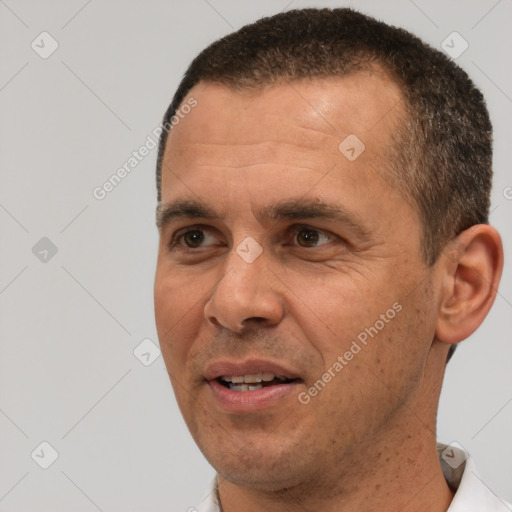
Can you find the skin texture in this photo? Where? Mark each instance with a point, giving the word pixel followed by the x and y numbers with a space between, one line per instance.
pixel 367 440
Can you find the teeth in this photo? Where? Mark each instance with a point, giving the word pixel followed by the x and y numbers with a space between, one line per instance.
pixel 250 382
pixel 245 387
pixel 251 378
pixel 239 387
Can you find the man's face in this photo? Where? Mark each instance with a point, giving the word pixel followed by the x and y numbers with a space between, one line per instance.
pixel 292 251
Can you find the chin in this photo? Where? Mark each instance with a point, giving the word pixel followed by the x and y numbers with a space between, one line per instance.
pixel 265 466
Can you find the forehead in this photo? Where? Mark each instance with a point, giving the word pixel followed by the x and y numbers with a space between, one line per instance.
pixel 310 111
pixel 240 148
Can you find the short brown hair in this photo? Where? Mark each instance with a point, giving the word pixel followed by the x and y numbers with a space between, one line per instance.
pixel 442 152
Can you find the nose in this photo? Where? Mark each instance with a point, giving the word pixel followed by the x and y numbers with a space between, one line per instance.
pixel 247 295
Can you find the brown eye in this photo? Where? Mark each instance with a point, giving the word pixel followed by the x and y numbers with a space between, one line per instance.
pixel 309 237
pixel 193 238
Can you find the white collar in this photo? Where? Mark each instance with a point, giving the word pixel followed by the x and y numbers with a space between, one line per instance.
pixel 471 492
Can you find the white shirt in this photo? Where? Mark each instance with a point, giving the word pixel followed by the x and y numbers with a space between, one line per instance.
pixel 471 493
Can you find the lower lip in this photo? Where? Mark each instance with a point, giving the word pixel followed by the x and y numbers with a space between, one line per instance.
pixel 251 401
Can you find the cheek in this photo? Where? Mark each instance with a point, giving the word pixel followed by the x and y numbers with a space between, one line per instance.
pixel 359 335
pixel 332 309
pixel 396 351
pixel 177 313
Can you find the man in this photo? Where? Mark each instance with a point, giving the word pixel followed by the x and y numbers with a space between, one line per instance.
pixel 323 186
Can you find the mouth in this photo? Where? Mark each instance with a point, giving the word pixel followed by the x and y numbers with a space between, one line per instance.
pixel 252 382
pixel 250 386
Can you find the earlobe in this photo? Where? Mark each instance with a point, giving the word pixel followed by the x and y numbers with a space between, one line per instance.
pixel 471 273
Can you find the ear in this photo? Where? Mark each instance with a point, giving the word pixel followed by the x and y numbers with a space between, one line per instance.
pixel 470 272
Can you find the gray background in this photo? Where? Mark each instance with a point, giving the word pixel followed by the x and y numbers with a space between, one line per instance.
pixel 69 324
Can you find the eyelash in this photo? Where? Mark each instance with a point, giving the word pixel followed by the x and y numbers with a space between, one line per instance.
pixel 175 241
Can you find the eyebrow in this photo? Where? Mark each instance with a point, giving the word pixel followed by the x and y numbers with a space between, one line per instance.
pixel 166 213
pixel 294 209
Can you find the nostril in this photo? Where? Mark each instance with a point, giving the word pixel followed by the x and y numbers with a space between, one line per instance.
pixel 255 319
pixel 213 321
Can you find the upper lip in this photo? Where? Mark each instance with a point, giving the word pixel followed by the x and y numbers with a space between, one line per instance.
pixel 249 367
